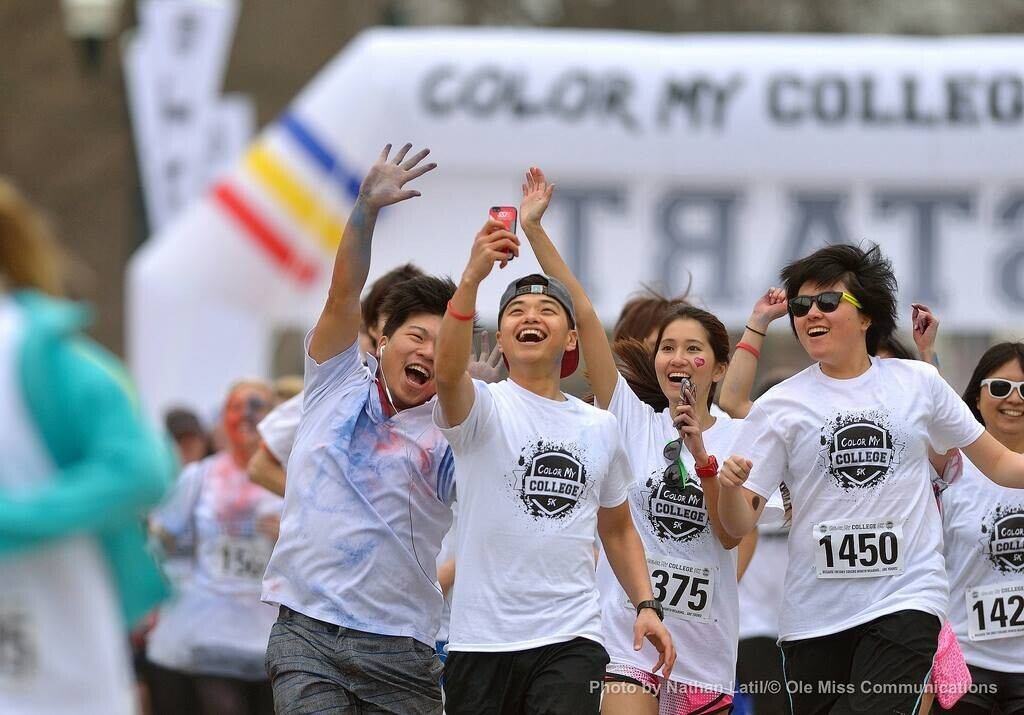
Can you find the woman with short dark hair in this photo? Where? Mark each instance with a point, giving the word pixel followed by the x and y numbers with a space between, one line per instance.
pixel 851 436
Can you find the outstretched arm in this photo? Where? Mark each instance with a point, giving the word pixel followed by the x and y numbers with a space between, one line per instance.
pixel 339 322
pixel 1003 466
pixel 455 340
pixel 597 353
pixel 738 383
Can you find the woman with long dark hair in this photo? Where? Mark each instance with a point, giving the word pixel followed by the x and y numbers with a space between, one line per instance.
pixel 983 525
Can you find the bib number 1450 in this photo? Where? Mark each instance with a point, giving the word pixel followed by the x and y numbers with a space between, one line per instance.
pixel 858 549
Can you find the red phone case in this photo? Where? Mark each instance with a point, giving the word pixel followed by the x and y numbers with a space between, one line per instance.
pixel 505 214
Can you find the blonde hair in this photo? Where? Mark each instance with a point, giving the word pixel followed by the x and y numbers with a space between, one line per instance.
pixel 29 255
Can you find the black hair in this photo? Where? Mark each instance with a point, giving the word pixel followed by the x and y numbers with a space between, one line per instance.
pixel 636 360
pixel 417 296
pixel 994 358
pixel 867 275
pixel 370 306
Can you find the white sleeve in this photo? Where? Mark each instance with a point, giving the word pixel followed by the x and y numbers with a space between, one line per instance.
pixel 761 444
pixel 278 428
pixel 322 379
pixel 634 417
pixel 478 425
pixel 616 484
pixel 951 423
pixel 175 514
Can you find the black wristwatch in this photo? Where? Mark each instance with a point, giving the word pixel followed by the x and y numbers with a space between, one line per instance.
pixel 656 605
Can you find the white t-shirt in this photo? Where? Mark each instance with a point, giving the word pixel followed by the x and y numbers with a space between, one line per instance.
pixel 866 538
pixel 762 587
pixel 689 567
pixel 278 428
pixel 984 546
pixel 367 504
pixel 63 644
pixel 217 625
pixel 532 473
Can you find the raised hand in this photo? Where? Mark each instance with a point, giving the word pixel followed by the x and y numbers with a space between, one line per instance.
pixel 493 244
pixel 536 196
pixel 383 183
pixel 925 330
pixel 733 474
pixel 769 307
pixel 684 418
pixel 487 365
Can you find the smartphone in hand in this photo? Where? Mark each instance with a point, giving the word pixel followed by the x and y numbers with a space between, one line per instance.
pixel 506 215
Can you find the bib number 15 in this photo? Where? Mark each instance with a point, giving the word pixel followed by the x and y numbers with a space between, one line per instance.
pixel 858 549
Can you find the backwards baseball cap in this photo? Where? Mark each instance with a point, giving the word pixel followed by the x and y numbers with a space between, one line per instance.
pixel 538 284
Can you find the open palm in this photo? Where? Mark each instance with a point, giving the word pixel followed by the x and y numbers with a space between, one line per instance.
pixel 536 196
pixel 384 182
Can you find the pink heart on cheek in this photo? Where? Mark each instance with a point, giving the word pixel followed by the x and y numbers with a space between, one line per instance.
pixel 698 362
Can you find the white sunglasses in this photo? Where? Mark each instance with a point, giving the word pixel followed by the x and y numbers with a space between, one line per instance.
pixel 1000 389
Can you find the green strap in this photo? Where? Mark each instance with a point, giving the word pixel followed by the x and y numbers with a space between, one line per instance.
pixel 684 475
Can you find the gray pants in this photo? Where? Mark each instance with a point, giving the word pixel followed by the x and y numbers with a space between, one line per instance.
pixel 317 667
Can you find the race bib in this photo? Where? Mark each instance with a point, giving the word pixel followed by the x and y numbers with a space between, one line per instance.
pixel 995 611
pixel 240 557
pixel 685 589
pixel 19 643
pixel 858 548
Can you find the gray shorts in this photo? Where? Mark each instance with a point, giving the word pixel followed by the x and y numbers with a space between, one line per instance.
pixel 317 667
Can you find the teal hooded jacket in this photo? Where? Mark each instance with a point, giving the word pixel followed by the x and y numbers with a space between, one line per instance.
pixel 111 466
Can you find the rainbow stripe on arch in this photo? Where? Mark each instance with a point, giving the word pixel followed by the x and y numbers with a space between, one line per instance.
pixel 274 203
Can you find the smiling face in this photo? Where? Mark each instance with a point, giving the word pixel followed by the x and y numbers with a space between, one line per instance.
pixel 535 331
pixel 1004 418
pixel 407 360
pixel 247 404
pixel 685 351
pixel 831 338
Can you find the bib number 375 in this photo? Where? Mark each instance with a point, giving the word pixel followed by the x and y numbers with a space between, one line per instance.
pixel 856 548
pixel 685 589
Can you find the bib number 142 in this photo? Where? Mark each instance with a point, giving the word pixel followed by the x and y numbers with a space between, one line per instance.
pixel 858 549
pixel 995 611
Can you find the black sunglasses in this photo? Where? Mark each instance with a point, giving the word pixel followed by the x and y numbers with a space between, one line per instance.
pixel 672 452
pixel 827 302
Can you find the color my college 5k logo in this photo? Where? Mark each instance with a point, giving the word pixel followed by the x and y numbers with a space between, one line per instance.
pixel 860 449
pixel 1004 534
pixel 675 513
pixel 551 479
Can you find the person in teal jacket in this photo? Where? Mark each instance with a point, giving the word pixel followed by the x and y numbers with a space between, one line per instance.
pixel 79 466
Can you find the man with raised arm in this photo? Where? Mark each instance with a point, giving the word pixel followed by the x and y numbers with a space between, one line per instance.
pixel 540 473
pixel 369 493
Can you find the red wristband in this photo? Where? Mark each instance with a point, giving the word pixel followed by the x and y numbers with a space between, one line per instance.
pixel 709 470
pixel 459 316
pixel 749 348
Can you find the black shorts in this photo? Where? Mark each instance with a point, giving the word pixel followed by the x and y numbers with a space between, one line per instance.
pixel 878 667
pixel 758 664
pixel 991 692
pixel 558 679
